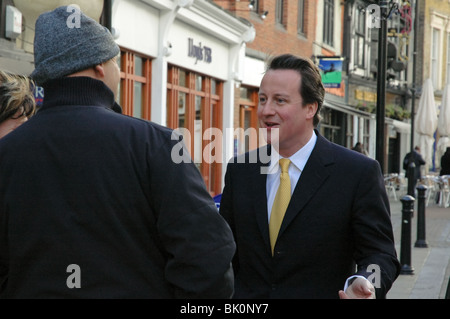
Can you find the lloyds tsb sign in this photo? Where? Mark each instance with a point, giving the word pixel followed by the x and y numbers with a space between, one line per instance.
pixel 199 52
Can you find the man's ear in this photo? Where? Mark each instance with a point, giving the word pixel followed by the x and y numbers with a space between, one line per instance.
pixel 311 109
pixel 99 71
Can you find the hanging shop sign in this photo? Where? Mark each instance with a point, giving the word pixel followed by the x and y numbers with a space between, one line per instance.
pixel 331 71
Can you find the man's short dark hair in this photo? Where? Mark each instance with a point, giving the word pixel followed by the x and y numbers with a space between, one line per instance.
pixel 311 87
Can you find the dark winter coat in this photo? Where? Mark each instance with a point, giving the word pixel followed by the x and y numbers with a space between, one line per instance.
pixel 93 198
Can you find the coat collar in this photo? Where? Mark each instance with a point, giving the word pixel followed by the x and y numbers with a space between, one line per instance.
pixel 77 91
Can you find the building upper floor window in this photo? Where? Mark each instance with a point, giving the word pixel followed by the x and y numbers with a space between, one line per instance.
pixel 448 59
pixel 328 22
pixel 435 49
pixel 301 17
pixel 280 15
pixel 360 34
pixel 254 5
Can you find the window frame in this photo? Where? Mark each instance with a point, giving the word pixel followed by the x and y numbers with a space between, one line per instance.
pixel 128 78
pixel 211 116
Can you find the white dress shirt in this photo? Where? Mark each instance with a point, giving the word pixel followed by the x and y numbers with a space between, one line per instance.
pixel 298 162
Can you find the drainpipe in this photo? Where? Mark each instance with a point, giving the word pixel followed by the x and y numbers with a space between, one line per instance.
pixel 107 14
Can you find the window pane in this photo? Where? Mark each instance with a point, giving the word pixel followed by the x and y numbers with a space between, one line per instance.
pixel 198 83
pixel 328 16
pixel 254 5
pixel 138 66
pixel 279 12
pixel 244 93
pixel 137 106
pixel 198 152
pixel 181 109
pixel 247 125
pixel 435 58
pixel 182 78
pixel 448 58
pixel 198 134
pixel 213 86
pixel 300 18
pixel 361 51
pixel 198 107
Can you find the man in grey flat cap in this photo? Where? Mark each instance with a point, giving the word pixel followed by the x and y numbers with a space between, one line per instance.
pixel 91 203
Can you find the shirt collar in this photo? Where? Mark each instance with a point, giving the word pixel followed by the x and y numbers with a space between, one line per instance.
pixel 299 159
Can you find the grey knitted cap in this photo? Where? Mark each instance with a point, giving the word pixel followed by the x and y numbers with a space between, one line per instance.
pixel 67 41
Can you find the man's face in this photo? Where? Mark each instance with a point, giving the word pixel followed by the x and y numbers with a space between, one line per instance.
pixel 281 107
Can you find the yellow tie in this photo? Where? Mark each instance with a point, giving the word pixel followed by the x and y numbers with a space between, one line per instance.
pixel 280 203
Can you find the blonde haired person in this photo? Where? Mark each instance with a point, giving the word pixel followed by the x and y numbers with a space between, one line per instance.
pixel 16 101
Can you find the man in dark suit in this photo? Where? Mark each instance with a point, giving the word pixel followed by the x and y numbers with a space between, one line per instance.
pixel 338 215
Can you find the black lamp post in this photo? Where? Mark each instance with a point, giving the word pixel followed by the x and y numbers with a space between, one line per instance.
pixel 412 166
pixel 381 85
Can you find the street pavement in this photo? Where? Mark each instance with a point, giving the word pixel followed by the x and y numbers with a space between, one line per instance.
pixel 431 264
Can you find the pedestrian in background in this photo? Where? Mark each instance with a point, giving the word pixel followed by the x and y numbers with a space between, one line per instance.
pixel 17 102
pixel 91 203
pixel 418 162
pixel 359 148
pixel 301 229
pixel 445 163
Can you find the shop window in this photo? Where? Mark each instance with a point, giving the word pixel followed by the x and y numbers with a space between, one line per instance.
pixel 248 120
pixel 366 134
pixel 135 85
pixel 194 105
pixel 349 135
pixel 333 126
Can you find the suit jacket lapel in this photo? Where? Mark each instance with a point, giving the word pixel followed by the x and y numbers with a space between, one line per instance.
pixel 316 171
pixel 260 196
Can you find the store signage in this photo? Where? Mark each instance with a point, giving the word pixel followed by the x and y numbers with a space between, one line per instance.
pixel 199 52
pixel 367 96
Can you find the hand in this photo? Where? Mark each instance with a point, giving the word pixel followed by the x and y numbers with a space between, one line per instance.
pixel 360 289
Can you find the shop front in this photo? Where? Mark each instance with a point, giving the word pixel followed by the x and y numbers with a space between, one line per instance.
pixel 181 62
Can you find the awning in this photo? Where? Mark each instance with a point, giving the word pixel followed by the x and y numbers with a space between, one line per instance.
pixel 402 127
pixel 347 109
